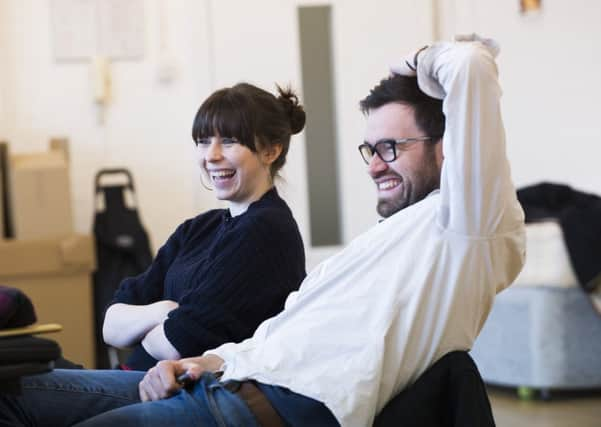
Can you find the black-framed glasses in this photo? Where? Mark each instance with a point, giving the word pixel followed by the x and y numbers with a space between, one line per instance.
pixel 386 149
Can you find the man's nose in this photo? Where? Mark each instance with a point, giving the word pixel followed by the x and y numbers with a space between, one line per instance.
pixel 376 165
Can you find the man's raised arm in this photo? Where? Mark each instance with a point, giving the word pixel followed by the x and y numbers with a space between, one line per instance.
pixel 478 197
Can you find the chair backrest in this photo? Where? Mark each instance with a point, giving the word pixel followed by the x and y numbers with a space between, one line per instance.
pixel 450 393
pixel 24 355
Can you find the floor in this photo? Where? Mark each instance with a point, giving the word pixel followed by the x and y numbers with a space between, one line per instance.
pixel 563 410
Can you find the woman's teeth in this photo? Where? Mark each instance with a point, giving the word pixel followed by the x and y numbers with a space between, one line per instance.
pixel 222 174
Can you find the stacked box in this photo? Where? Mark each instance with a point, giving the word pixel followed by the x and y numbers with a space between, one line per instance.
pixel 40 194
pixel 56 275
pixel 5 228
pixel 42 255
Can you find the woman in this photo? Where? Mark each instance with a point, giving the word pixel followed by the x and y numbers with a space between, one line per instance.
pixel 225 271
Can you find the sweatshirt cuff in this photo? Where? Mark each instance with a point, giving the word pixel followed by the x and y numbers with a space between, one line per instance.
pixel 185 343
pixel 228 352
pixel 426 70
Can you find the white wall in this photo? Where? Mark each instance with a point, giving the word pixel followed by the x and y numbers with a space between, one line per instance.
pixel 264 49
pixel 549 70
pixel 368 37
pixel 147 125
pixel 7 70
pixel 257 42
pixel 549 65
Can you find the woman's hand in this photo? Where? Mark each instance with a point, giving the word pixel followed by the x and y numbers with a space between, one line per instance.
pixel 160 382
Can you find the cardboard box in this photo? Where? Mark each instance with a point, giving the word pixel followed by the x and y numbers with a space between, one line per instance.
pixel 2 168
pixel 56 275
pixel 5 224
pixel 40 193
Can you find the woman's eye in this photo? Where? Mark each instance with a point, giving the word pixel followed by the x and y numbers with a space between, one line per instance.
pixel 229 141
pixel 202 142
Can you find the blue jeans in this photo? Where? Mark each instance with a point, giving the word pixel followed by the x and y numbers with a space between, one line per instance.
pixel 110 398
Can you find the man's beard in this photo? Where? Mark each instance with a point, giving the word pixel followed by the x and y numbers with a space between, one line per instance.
pixel 415 188
pixel 388 207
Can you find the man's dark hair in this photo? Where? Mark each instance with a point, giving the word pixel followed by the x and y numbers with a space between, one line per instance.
pixel 404 90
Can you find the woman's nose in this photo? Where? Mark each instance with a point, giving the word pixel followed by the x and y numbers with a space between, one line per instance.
pixel 213 152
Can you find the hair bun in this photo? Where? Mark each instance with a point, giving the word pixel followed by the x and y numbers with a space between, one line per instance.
pixel 295 111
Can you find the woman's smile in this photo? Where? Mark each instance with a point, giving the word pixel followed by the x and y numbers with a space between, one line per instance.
pixel 221 177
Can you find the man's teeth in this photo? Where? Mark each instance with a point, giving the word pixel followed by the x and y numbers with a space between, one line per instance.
pixel 388 184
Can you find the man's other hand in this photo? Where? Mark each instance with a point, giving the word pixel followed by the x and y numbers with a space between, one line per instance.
pixel 160 382
pixel 407 66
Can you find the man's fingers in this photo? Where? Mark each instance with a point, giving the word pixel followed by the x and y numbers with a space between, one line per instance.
pixel 167 377
pixel 196 366
pixel 142 392
pixel 156 385
pixel 146 392
pixel 161 382
pixel 193 370
pixel 151 387
pixel 407 66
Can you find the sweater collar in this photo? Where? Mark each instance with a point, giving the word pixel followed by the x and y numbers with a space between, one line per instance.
pixel 269 197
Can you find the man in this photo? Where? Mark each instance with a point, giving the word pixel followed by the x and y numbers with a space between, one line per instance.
pixel 370 320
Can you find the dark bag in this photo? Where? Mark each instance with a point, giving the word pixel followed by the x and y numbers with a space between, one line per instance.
pixel 122 246
pixel 579 215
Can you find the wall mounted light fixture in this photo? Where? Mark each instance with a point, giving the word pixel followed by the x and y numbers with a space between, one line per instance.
pixel 528 6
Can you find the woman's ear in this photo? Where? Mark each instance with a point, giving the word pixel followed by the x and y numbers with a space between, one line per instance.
pixel 270 153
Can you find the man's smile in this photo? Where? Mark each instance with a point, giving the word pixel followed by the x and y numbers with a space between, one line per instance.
pixel 388 183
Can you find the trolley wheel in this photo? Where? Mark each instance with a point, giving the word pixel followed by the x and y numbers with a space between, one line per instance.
pixel 525 393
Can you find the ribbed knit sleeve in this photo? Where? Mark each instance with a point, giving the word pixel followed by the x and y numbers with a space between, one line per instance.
pixel 257 262
pixel 147 287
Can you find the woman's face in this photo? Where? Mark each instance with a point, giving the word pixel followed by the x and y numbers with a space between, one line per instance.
pixel 237 174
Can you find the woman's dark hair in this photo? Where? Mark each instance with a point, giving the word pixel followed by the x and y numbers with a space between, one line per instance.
pixel 251 115
pixel 404 90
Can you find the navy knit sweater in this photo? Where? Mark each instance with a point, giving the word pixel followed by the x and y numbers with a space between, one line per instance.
pixel 228 274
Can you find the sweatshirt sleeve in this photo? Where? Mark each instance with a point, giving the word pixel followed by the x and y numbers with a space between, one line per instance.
pixel 255 269
pixel 147 287
pixel 477 194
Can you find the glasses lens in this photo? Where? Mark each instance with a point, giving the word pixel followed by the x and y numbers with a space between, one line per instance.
pixel 386 150
pixel 366 152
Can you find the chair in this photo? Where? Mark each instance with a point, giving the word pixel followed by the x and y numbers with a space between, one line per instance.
pixel 24 355
pixel 450 393
pixel 20 353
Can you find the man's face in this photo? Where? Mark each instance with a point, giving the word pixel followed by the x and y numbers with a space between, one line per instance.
pixel 415 172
